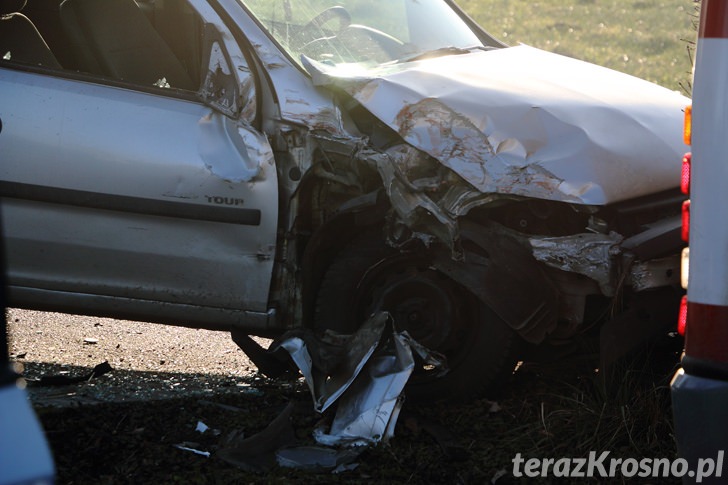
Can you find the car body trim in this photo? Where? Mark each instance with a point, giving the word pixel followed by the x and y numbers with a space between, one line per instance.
pixel 261 323
pixel 136 205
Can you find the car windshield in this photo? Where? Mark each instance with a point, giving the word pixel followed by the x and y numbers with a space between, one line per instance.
pixel 364 32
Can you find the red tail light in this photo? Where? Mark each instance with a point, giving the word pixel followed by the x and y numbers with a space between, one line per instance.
pixel 682 319
pixel 686 221
pixel 685 176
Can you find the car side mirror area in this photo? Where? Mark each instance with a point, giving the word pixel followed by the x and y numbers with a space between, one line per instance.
pixel 228 85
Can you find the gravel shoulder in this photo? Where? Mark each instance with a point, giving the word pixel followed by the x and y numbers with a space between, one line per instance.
pixel 125 426
pixel 149 361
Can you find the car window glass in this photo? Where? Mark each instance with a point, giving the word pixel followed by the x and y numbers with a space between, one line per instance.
pixel 362 31
pixel 151 43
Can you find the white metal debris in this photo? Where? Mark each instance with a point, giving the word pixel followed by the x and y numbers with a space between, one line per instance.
pixel 367 384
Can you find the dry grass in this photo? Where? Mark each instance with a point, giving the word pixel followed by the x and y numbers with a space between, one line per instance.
pixel 650 39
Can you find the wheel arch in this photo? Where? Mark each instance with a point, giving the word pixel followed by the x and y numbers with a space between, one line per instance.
pixel 354 218
pixel 367 276
pixel 503 274
pixel 497 267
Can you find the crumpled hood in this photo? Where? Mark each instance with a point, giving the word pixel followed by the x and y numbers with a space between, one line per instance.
pixel 523 121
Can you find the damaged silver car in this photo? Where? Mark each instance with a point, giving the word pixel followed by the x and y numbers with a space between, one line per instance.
pixel 260 165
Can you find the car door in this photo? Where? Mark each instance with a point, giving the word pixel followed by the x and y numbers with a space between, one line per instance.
pixel 121 194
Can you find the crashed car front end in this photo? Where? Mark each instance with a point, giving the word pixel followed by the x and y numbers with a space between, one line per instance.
pixel 536 182
pixel 536 262
pixel 578 171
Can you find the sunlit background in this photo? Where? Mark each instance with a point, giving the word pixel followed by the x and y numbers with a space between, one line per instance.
pixel 646 38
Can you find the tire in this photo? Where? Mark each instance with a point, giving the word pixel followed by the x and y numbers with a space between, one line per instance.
pixel 368 276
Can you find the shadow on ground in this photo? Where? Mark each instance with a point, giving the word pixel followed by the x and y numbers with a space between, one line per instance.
pixel 122 427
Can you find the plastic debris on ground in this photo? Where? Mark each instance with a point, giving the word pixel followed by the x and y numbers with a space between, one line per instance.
pixel 315 457
pixel 257 453
pixel 365 378
pixel 64 380
pixel 364 374
pixel 201 427
pixel 184 447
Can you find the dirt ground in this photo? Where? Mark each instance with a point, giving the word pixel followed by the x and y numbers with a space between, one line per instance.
pixel 139 423
pixel 149 361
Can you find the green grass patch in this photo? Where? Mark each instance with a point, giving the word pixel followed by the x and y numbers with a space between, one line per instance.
pixel 650 39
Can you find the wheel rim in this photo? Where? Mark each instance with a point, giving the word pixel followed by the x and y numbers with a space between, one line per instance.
pixel 433 309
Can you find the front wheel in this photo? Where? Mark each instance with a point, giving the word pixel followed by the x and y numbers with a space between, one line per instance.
pixel 367 276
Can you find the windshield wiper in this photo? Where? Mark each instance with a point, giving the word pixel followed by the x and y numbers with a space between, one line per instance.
pixel 442 51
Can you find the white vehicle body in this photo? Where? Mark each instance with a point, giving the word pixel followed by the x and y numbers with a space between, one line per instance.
pixel 700 387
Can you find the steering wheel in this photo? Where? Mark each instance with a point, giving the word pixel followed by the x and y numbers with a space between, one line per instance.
pixel 312 29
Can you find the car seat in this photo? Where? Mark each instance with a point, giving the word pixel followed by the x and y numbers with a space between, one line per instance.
pixel 114 38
